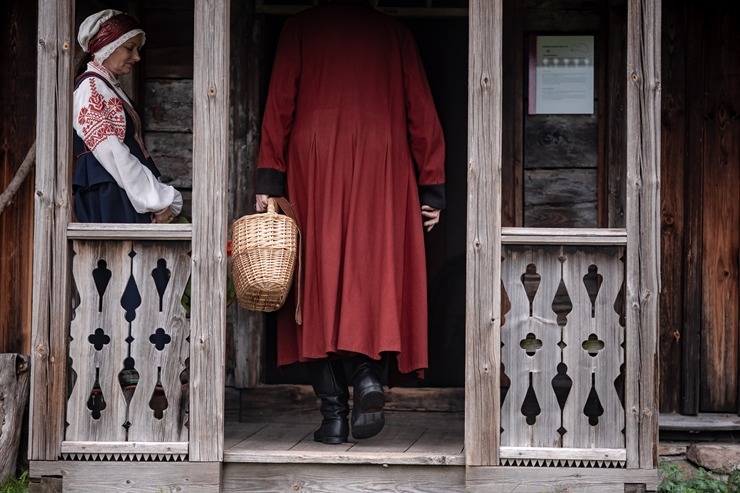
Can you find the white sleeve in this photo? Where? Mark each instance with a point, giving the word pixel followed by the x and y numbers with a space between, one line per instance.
pixel 101 123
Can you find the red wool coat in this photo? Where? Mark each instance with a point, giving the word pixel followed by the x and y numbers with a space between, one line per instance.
pixel 351 129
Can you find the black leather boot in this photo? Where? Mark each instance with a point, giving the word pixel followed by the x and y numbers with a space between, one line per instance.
pixel 330 385
pixel 368 399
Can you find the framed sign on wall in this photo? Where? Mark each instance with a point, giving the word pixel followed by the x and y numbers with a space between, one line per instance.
pixel 561 75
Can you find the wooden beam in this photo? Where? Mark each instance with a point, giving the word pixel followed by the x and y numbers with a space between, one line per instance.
pixel 51 264
pixel 564 453
pixel 643 231
pixel 116 477
pixel 563 236
pixel 413 12
pixel 483 258
pixel 210 170
pixel 125 448
pixel 538 479
pixel 99 231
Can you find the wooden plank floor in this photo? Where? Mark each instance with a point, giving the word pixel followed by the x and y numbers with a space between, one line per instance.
pixel 271 430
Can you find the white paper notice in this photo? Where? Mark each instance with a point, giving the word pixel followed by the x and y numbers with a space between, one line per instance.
pixel 564 75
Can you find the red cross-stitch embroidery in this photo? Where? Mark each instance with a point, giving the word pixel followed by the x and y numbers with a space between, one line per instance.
pixel 101 118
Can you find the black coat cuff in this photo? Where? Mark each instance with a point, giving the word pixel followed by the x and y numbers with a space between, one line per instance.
pixel 432 195
pixel 270 181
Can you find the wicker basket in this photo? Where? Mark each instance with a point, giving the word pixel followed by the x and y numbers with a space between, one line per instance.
pixel 263 250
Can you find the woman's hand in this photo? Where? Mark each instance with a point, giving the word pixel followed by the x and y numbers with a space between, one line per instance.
pixel 260 202
pixel 430 216
pixel 163 217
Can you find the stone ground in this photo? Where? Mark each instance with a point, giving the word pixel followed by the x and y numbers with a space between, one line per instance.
pixel 720 458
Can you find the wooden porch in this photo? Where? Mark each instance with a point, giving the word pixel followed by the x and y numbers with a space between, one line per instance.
pixel 538 438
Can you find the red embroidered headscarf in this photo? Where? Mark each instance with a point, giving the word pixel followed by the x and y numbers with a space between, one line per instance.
pixel 103 32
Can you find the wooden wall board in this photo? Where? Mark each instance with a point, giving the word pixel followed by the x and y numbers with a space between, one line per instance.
pixel 720 288
pixel 674 175
pixel 537 480
pixel 265 478
pixel 560 141
pixel 168 105
pixel 169 51
pixel 19 36
pixel 614 163
pixel 512 201
pixel 548 15
pixel 248 77
pixel 561 198
pixel 143 477
pixel 173 153
pixel 693 226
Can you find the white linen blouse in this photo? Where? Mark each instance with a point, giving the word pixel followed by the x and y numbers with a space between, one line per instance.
pixel 100 120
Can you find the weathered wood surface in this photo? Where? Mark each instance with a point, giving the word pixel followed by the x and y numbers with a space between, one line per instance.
pixel 14 388
pixel 572 480
pixel 248 69
pixel 560 141
pixel 673 174
pixel 19 36
pixel 614 135
pixel 169 44
pixel 544 15
pixel 169 105
pixel 693 246
pixel 359 479
pixel 566 456
pixel 104 334
pixel 113 477
pixel 168 124
pixel 720 288
pixel 591 339
pixel 530 369
pixel 483 257
pixel 93 231
pixel 643 232
pixel 301 398
pixel 561 198
pixel 512 200
pixel 563 236
pixel 701 423
pixel 50 306
pixel 173 153
pixel 210 170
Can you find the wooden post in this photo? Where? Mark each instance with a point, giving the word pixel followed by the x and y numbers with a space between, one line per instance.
pixel 483 259
pixel 51 264
pixel 643 231
pixel 210 170
pixel 14 385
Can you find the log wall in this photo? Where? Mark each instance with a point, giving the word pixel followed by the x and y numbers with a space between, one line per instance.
pixel 18 35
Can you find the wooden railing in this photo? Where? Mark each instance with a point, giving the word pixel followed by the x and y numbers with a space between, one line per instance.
pixel 563 334
pixel 129 343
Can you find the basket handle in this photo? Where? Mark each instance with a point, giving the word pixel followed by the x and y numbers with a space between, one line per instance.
pixel 283 204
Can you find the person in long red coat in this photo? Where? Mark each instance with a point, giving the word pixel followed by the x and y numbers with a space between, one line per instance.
pixel 351 136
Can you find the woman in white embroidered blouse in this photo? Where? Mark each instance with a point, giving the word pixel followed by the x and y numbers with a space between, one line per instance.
pixel 115 178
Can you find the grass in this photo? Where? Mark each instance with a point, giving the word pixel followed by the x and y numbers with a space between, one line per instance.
pixel 676 480
pixel 16 484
